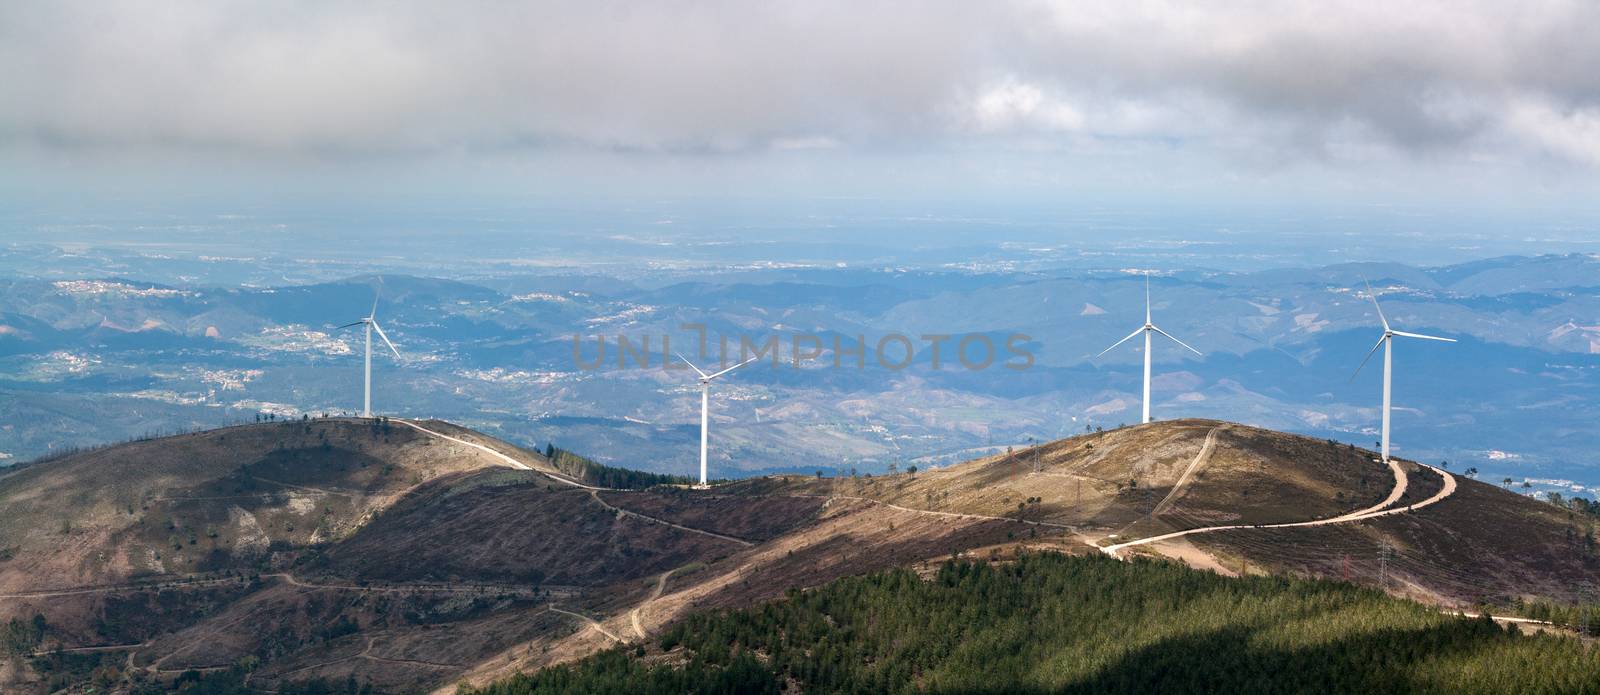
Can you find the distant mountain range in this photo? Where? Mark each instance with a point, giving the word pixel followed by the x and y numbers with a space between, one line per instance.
pixel 95 359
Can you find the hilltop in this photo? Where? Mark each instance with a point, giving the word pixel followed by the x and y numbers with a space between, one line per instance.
pixel 213 501
pixel 1450 539
pixel 415 555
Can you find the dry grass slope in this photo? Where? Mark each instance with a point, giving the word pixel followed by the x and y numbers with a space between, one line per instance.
pixel 1114 480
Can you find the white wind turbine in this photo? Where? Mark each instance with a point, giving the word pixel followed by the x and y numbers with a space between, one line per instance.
pixel 705 407
pixel 1147 329
pixel 1385 341
pixel 371 322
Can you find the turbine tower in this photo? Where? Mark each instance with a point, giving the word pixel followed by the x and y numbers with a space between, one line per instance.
pixel 1148 328
pixel 705 407
pixel 371 323
pixel 1386 342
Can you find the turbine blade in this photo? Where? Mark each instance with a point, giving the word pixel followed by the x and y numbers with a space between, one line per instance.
pixel 1147 298
pixel 691 364
pixel 1364 360
pixel 1175 340
pixel 741 364
pixel 352 323
pixel 379 329
pixel 1425 337
pixel 1124 340
pixel 1374 297
pixel 376 292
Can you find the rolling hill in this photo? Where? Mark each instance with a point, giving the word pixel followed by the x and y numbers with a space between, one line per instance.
pixel 417 555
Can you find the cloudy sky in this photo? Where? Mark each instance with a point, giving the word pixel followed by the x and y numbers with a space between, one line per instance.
pixel 1367 102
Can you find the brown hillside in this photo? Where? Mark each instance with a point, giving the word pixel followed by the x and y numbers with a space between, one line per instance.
pixel 514 527
pixel 1481 545
pixel 1116 479
pixel 210 501
pixel 729 514
pixel 410 561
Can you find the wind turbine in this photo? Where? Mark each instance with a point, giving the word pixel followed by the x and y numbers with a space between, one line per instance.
pixel 371 322
pixel 1388 361
pixel 1148 328
pixel 705 406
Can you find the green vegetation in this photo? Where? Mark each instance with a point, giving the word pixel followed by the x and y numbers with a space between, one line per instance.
pixel 1577 504
pixel 601 475
pixel 1583 618
pixel 1582 515
pixel 64 671
pixel 1081 624
pixel 19 637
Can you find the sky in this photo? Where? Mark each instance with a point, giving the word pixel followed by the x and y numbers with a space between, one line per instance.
pixel 1136 103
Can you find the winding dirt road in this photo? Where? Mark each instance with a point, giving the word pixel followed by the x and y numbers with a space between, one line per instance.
pixel 595 493
pixel 1379 510
pixel 661 586
pixel 591 621
pixel 370 587
pixel 593 490
pixel 87 650
pixel 135 586
pixel 507 459
pixel 427 587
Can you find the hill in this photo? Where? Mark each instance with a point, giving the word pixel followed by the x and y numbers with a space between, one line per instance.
pixel 1155 478
pixel 416 555
pixel 220 500
pixel 1398 527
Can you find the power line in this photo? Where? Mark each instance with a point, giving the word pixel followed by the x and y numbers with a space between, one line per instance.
pixel 1383 563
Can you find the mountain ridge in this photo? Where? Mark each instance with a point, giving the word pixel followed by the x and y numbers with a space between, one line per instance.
pixel 473 559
